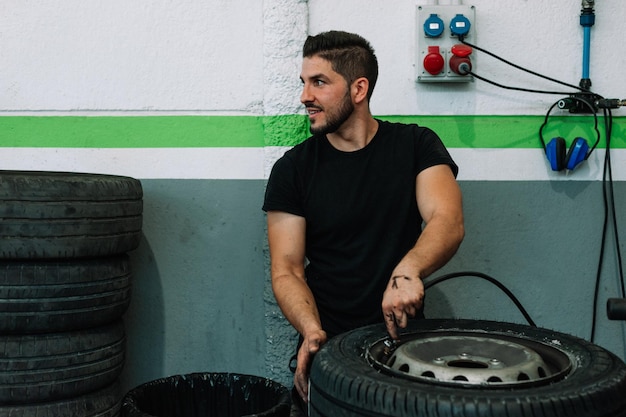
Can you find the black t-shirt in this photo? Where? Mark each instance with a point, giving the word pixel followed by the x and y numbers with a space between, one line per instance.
pixel 361 214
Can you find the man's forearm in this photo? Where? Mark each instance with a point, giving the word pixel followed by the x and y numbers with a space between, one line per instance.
pixel 438 242
pixel 404 294
pixel 297 303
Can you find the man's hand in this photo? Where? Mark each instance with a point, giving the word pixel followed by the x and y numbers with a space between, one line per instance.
pixel 310 346
pixel 402 299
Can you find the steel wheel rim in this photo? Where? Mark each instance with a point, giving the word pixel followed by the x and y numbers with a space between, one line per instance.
pixel 471 359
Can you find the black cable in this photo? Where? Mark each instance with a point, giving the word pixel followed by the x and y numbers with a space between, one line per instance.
pixel 609 129
pixel 611 193
pixel 521 68
pixel 431 282
pixel 608 194
pixel 602 243
pixel 529 90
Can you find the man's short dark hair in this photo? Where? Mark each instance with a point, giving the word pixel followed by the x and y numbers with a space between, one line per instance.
pixel 350 55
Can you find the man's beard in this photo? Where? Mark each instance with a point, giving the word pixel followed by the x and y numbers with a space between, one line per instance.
pixel 335 119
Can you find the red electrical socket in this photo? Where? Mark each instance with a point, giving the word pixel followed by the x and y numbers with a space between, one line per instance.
pixel 460 62
pixel 433 62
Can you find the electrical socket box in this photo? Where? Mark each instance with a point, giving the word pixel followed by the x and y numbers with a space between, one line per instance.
pixel 440 56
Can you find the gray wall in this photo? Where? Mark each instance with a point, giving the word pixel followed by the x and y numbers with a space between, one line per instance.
pixel 216 312
pixel 207 238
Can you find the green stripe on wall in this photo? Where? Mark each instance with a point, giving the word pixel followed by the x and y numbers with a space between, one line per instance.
pixel 512 132
pixel 287 130
pixel 131 131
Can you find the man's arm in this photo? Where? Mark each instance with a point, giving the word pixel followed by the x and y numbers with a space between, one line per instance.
pixel 286 236
pixel 440 204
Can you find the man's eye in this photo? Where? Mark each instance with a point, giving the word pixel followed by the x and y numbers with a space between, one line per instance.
pixel 318 82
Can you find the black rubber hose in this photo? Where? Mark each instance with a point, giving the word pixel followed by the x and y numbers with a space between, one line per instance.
pixel 435 281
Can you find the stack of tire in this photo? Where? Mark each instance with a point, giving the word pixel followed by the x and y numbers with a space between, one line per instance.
pixel 65 282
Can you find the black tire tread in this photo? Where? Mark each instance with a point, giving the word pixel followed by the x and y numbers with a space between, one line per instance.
pixel 54 215
pixel 55 366
pixel 105 402
pixel 39 296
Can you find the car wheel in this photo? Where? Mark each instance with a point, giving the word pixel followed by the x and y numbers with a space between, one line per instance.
pixel 469 368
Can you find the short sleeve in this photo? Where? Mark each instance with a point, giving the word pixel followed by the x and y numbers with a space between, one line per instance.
pixel 284 191
pixel 433 152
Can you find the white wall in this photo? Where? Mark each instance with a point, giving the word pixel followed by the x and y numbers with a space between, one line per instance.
pixel 116 55
pixel 209 55
pixel 544 36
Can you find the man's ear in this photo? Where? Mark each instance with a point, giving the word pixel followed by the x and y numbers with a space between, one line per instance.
pixel 360 86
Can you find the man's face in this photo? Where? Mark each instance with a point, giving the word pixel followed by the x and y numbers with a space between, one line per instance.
pixel 325 94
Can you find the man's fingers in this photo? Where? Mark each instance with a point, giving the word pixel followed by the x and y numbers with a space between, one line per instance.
pixel 390 323
pixel 302 386
pixel 314 347
pixel 399 319
pixel 309 348
pixel 402 319
pixel 301 374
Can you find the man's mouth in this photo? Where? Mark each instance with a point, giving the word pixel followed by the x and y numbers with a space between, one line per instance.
pixel 313 110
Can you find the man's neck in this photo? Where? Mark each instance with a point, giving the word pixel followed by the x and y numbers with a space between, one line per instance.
pixel 355 134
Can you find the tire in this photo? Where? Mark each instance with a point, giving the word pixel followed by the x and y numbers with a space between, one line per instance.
pixel 101 403
pixel 54 215
pixel 343 383
pixel 59 296
pixel 57 366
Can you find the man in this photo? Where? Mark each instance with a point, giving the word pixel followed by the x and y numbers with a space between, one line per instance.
pixel 350 201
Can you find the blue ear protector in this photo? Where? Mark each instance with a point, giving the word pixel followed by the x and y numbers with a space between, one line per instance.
pixel 578 151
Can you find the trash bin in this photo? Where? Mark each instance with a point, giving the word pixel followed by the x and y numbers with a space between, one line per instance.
pixel 208 395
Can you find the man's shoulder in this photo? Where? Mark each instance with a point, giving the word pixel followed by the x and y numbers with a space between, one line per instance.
pixel 296 158
pixel 402 128
pixel 407 134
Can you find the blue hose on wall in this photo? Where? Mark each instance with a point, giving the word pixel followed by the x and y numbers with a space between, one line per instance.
pixel 587 19
pixel 586 48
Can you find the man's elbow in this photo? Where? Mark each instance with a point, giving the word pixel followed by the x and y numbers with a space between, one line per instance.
pixel 450 228
pixel 456 233
pixel 281 278
pixel 459 235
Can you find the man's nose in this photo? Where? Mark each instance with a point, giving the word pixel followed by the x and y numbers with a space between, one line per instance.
pixel 306 96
